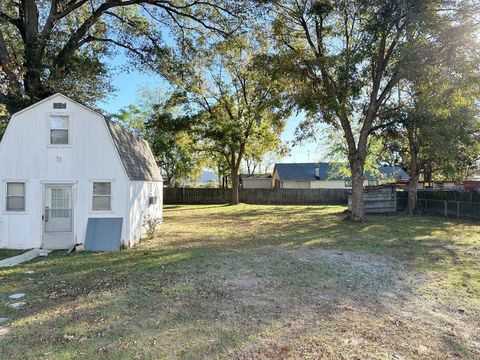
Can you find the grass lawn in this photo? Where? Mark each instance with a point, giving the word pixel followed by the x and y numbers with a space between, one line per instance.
pixel 256 282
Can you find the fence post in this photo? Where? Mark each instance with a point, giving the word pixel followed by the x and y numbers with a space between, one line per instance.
pixel 458 209
pixel 445 207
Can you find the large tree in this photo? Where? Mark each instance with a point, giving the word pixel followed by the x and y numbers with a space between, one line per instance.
pixel 237 99
pixel 344 58
pixel 436 132
pixel 61 45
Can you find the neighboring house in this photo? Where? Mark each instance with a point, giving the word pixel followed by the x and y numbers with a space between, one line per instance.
pixel 472 183
pixel 63 164
pixel 256 181
pixel 321 175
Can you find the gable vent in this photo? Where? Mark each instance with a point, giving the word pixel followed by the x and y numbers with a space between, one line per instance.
pixel 59 105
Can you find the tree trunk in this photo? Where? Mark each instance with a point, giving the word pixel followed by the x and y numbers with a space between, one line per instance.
pixel 234 200
pixel 412 193
pixel 220 177
pixel 358 208
pixel 414 170
pixel 33 59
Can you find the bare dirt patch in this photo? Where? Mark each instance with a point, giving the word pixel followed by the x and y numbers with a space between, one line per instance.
pixel 341 304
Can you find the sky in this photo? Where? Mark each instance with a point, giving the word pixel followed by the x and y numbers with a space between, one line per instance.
pixel 128 84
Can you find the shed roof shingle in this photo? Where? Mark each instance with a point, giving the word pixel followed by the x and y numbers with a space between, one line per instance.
pixel 135 153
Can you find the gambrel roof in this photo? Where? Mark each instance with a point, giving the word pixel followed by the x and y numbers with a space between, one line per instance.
pixel 135 153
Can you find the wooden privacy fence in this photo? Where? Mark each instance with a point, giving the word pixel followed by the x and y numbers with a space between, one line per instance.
pixel 378 200
pixel 255 196
pixel 444 203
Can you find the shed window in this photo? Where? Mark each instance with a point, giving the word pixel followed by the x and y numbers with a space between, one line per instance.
pixel 15 196
pixel 59 126
pixel 152 194
pixel 102 196
pixel 348 183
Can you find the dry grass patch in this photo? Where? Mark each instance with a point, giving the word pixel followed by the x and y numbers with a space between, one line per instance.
pixel 257 282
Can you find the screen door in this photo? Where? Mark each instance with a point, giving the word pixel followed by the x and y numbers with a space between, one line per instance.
pixel 58 217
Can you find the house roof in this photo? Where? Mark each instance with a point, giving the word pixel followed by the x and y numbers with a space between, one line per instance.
pixel 135 153
pixel 256 176
pixel 300 171
pixel 307 172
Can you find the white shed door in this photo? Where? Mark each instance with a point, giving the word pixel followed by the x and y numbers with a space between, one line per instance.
pixel 58 217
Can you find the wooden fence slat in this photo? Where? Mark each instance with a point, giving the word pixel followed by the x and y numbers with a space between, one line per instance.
pixel 255 196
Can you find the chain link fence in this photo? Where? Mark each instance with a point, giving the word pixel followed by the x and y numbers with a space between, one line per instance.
pixel 447 208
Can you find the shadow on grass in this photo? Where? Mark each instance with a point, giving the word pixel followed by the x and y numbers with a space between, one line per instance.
pixel 178 287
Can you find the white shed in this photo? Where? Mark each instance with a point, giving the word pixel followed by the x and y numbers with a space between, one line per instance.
pixel 62 165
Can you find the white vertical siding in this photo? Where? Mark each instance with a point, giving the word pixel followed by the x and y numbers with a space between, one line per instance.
pixel 26 155
pixel 140 209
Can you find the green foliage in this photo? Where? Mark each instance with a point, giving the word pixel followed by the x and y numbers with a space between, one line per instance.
pixel 133 119
pixel 65 46
pixel 174 146
pixel 343 59
pixel 437 130
pixel 160 119
pixel 237 101
pixel 337 155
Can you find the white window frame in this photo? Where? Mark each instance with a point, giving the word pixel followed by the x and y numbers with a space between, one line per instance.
pixel 92 182
pixel 49 129
pixel 6 182
pixel 151 189
pixel 152 193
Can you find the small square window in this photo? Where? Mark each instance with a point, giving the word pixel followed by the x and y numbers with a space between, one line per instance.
pixel 102 198
pixel 15 196
pixel 348 183
pixel 59 126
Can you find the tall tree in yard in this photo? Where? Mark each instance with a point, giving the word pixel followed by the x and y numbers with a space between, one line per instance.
pixel 344 58
pixel 436 129
pixel 432 128
pixel 59 45
pixel 237 100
